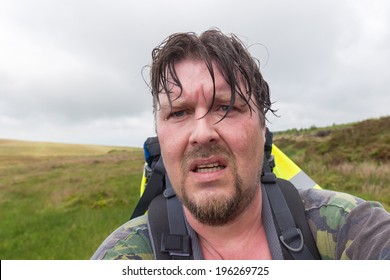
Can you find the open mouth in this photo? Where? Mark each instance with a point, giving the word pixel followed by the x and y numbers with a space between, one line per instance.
pixel 205 168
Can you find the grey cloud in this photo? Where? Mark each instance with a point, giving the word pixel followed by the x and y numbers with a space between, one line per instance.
pixel 80 62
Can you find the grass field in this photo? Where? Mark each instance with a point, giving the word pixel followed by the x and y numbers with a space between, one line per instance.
pixel 60 201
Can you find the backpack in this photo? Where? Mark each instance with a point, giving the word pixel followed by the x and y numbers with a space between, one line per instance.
pixel 167 226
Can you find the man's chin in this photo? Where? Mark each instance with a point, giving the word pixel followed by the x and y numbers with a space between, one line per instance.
pixel 213 211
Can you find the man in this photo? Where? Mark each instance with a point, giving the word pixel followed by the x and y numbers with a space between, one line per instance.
pixel 210 102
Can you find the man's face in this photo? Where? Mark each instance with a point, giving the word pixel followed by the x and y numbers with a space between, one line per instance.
pixel 214 167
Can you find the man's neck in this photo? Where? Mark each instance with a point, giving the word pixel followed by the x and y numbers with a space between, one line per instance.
pixel 243 238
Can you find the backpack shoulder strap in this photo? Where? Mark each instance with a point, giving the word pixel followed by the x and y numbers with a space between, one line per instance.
pixel 290 219
pixel 158 223
pixel 295 204
pixel 167 228
pixel 156 180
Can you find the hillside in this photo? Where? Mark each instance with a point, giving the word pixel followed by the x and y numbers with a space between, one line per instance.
pixel 16 148
pixel 353 157
pixel 60 201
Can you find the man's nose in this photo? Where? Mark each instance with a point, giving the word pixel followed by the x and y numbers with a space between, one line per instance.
pixel 203 131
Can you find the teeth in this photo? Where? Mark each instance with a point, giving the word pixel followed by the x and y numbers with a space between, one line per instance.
pixel 212 167
pixel 205 170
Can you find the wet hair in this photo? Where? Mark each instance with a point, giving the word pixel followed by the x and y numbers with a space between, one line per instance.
pixel 239 69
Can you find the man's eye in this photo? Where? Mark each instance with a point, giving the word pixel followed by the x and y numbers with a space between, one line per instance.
pixel 224 108
pixel 177 114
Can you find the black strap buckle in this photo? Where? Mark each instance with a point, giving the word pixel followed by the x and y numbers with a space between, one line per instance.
pixel 169 193
pixel 268 178
pixel 176 245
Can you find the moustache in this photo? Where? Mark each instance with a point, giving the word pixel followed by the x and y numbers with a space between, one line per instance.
pixel 205 151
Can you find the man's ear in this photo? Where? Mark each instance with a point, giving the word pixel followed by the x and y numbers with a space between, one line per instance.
pixel 263 132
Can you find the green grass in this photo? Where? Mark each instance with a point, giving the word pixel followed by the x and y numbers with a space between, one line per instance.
pixel 62 207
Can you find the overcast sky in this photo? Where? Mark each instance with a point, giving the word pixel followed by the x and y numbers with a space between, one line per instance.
pixel 71 70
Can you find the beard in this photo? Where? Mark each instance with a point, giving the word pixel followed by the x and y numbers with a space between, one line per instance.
pixel 220 209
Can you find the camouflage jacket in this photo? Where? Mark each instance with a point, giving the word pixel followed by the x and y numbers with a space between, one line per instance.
pixel 343 226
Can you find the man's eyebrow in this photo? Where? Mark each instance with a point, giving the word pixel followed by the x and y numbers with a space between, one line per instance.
pixel 227 98
pixel 168 105
pixel 223 97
